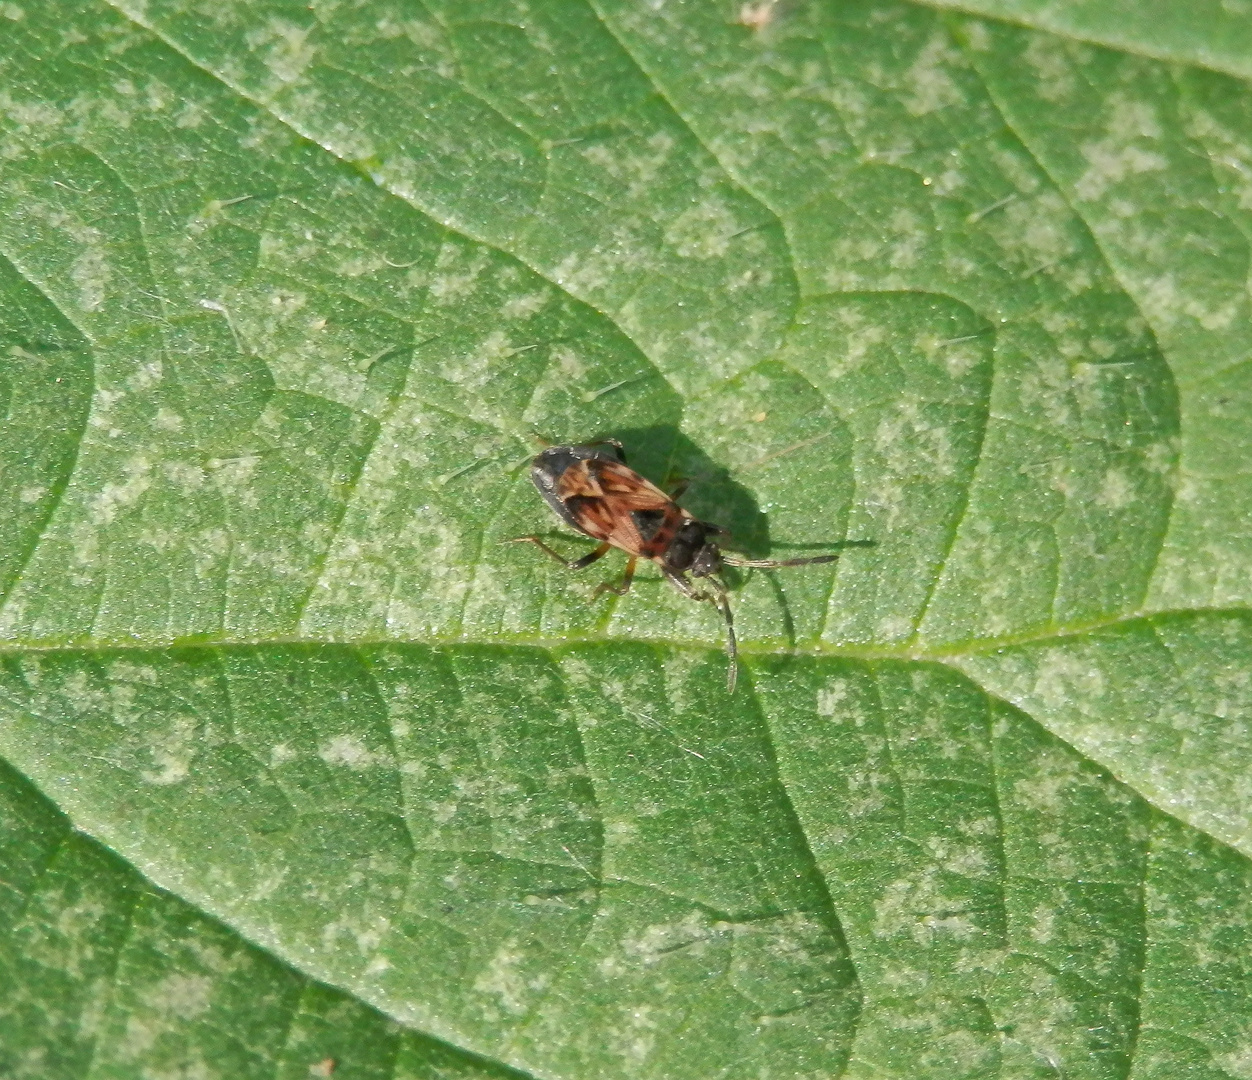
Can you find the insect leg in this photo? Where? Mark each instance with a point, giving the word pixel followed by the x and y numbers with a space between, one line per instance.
pixel 623 587
pixel 718 599
pixel 569 564
pixel 682 584
pixel 680 485
pixel 732 649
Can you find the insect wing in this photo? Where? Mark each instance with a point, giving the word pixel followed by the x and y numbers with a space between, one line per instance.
pixel 610 502
pixel 626 487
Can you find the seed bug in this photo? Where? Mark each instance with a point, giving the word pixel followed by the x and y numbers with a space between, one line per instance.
pixel 597 494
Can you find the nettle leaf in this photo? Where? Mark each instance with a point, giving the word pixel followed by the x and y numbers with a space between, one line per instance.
pixel 304 772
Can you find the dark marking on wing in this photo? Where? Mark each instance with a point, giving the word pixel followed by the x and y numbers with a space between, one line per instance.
pixel 647 522
pixel 592 515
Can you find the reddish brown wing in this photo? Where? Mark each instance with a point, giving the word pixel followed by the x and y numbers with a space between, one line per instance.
pixel 604 495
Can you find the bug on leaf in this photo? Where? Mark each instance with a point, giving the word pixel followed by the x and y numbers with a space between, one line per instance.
pixel 596 493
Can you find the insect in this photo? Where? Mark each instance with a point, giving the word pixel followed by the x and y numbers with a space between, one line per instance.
pixel 596 493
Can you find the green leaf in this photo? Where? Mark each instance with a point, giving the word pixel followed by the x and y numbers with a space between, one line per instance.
pixel 304 771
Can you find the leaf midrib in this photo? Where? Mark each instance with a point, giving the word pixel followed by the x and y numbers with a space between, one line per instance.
pixel 941 654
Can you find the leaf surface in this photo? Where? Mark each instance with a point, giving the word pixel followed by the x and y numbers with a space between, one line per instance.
pixel 305 771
